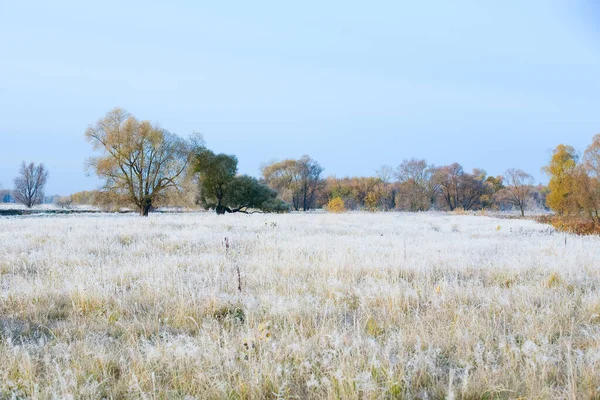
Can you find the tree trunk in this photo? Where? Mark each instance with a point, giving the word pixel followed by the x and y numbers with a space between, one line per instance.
pixel 221 210
pixel 146 206
pixel 144 211
pixel 304 202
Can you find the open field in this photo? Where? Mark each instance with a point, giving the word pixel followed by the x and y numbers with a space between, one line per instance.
pixel 331 306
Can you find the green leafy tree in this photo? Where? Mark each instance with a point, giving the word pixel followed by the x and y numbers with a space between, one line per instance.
pixel 216 172
pixel 224 191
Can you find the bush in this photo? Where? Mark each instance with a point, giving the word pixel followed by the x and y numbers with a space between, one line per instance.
pixel 573 225
pixel 64 201
pixel 372 201
pixel 275 206
pixel 336 205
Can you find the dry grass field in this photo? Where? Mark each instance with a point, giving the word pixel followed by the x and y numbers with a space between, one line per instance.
pixel 352 306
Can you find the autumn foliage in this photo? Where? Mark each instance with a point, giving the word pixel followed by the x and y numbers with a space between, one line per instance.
pixel 577 226
pixel 336 205
pixel 560 170
pixel 137 160
pixel 574 189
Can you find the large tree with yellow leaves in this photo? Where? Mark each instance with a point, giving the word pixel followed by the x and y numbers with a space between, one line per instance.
pixel 138 160
pixel 561 169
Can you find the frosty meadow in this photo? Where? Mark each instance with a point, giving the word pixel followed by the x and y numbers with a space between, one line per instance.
pixel 300 200
pixel 354 305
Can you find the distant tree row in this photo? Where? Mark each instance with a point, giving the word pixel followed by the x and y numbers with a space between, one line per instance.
pixel 414 185
pixel 144 166
pixel 417 186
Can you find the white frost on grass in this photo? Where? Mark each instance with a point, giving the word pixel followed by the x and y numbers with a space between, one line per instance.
pixel 41 207
pixel 349 305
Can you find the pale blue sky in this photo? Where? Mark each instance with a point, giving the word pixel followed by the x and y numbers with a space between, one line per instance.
pixel 489 84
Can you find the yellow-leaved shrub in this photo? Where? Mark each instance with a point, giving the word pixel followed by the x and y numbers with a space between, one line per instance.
pixel 336 205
